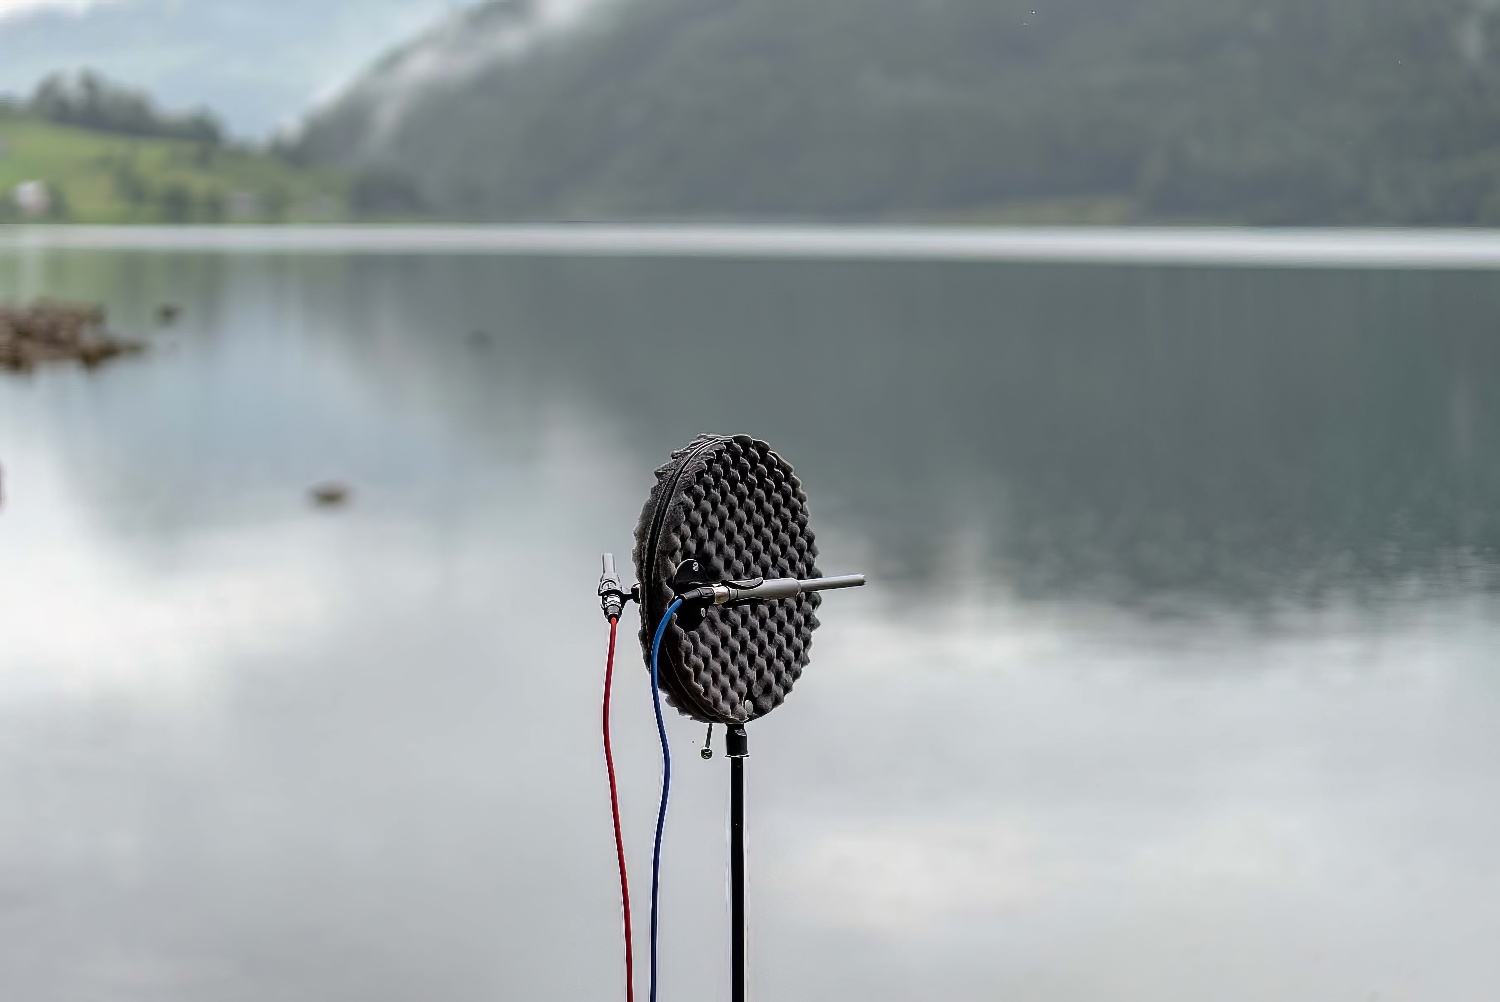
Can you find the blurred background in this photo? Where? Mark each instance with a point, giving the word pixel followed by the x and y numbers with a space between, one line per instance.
pixel 1084 111
pixel 1176 677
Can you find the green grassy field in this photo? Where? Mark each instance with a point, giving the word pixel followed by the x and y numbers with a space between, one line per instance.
pixel 110 178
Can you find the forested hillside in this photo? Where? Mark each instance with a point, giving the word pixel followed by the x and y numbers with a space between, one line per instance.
pixel 84 150
pixel 1256 111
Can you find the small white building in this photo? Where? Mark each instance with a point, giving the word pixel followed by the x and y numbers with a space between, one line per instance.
pixel 33 199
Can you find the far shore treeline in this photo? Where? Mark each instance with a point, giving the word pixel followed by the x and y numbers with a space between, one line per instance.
pixel 88 101
pixel 1236 112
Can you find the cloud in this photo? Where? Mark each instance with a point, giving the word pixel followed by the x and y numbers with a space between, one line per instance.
pixel 212 52
pixel 132 630
pixel 18 8
pixel 461 47
pixel 911 877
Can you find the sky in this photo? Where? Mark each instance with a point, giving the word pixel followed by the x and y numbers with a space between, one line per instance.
pixel 15 8
pixel 258 63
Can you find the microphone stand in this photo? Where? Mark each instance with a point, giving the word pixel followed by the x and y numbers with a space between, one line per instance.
pixel 736 749
pixel 697 595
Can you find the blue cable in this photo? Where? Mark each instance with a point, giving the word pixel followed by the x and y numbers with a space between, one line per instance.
pixel 666 779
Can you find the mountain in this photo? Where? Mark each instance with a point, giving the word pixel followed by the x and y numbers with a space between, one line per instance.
pixel 259 63
pixel 1255 111
pixel 448 60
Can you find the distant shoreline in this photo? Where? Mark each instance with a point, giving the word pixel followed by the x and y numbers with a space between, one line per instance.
pixel 1247 247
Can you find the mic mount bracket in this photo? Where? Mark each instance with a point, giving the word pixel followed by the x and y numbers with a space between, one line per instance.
pixel 689 584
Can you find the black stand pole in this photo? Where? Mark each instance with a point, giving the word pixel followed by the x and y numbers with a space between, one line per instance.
pixel 737 748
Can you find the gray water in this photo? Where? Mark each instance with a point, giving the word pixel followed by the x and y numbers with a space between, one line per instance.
pixel 1176 679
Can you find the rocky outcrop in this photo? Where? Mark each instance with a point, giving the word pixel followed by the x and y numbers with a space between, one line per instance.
pixel 49 331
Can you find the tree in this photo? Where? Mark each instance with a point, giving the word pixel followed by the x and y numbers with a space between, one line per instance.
pixel 90 101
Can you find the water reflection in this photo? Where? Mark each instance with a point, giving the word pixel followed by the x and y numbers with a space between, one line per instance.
pixel 1122 433
pixel 257 750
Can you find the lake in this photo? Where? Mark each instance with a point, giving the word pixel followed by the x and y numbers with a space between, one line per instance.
pixel 1176 678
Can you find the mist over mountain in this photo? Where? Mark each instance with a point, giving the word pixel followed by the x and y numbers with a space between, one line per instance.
pixel 417 79
pixel 256 64
pixel 1259 111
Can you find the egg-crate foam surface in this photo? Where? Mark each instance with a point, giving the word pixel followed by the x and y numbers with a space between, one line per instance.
pixel 737 507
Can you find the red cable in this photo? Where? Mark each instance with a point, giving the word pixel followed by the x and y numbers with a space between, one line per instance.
pixel 614 807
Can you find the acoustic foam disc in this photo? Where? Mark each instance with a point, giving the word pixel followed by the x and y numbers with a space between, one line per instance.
pixel 736 507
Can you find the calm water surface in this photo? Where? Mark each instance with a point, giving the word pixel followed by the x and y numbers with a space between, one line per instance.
pixel 1177 678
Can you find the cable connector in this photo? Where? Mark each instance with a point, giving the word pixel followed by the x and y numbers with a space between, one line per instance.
pixel 612 594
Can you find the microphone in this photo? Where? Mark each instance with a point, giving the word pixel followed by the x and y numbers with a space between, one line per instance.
pixel 757 590
pixel 763 590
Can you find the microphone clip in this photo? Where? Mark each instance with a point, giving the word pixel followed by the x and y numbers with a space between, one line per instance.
pixel 612 593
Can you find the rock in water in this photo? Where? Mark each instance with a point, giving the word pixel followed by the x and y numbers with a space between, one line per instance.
pixel 330 495
pixel 53 331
